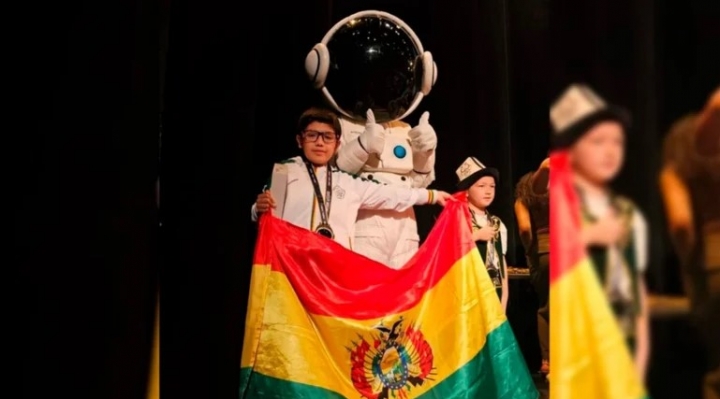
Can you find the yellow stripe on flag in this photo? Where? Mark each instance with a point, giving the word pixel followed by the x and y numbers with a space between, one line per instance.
pixel 588 349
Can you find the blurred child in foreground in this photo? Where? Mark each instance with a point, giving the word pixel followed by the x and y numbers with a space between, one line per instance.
pixel 614 229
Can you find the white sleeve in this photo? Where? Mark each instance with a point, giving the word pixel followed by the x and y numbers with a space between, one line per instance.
pixel 423 173
pixel 640 236
pixel 351 156
pixel 253 213
pixel 503 237
pixel 377 196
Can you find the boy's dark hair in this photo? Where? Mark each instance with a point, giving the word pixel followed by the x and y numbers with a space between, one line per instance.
pixel 322 115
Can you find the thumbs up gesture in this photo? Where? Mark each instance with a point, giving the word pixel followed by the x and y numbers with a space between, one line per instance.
pixel 373 138
pixel 422 136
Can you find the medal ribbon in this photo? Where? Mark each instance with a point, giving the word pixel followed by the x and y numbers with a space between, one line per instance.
pixel 324 206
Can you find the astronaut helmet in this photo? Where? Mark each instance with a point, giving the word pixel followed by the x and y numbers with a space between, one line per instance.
pixel 372 60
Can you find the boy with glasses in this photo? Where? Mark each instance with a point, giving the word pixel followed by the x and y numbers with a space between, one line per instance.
pixel 321 198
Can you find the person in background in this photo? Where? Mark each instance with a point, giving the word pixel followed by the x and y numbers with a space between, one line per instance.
pixel 614 229
pixel 690 187
pixel 320 197
pixel 532 214
pixel 540 179
pixel 489 232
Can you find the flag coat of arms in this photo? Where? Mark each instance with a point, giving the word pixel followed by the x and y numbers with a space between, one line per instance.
pixel 325 322
pixel 588 353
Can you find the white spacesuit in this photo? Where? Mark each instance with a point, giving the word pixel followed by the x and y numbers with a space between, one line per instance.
pixel 391 152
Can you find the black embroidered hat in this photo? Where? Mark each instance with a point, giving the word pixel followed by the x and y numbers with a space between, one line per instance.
pixel 577 110
pixel 473 170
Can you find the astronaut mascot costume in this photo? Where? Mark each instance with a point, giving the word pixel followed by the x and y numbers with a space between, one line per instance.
pixel 378 73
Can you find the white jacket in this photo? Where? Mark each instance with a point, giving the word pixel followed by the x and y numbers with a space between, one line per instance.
pixel 350 194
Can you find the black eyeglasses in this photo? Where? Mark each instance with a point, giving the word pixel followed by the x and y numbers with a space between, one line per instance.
pixel 312 136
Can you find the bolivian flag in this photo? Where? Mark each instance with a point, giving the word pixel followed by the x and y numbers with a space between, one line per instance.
pixel 588 354
pixel 324 322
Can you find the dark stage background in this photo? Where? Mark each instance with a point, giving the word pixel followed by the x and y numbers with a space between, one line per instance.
pixel 86 238
pixel 235 88
pixel 659 59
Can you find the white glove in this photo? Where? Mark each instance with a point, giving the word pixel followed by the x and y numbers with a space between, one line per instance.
pixel 373 138
pixel 422 136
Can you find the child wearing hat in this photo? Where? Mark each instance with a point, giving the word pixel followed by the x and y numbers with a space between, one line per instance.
pixel 489 232
pixel 614 229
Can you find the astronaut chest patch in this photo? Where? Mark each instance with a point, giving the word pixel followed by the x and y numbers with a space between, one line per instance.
pixel 339 192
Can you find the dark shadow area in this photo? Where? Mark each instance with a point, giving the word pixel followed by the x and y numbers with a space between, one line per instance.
pixel 86 224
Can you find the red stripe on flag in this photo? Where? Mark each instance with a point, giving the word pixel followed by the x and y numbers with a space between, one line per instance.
pixel 333 281
pixel 566 246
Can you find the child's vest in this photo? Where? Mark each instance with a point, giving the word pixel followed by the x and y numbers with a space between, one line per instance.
pixel 493 259
pixel 626 310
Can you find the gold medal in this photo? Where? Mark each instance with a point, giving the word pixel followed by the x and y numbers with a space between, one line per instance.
pixel 325 231
pixel 324 228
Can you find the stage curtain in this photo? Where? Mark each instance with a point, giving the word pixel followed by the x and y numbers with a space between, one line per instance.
pixel 85 154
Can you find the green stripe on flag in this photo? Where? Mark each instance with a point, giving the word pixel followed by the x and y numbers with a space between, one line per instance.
pixel 497 371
